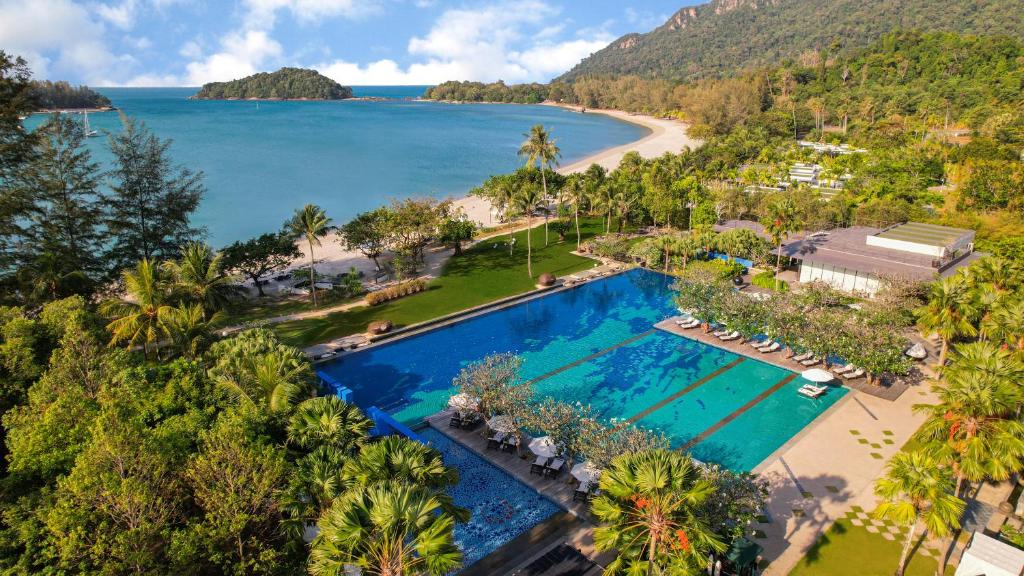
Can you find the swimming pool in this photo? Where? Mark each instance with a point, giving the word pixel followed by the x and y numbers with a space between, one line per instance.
pixel 501 506
pixel 596 343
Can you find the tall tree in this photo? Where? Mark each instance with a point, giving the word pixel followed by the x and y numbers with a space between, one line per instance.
pixel 540 149
pixel 67 209
pixel 576 194
pixel 949 312
pixel 368 233
pixel 311 223
pixel 780 220
pixel 650 512
pixel 257 369
pixel 198 277
pixel 917 490
pixel 257 257
pixel 526 202
pixel 151 199
pixel 328 421
pixel 138 319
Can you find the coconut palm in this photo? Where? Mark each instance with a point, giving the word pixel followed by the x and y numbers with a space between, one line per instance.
pixel 257 369
pixel 576 196
pixel 328 421
pixel 540 149
pixel 311 223
pixel 138 318
pixel 916 491
pixel 781 220
pixel 949 312
pixel 686 246
pixel 973 426
pixel 602 201
pixel 198 276
pixel 526 202
pixel 503 191
pixel 189 330
pixel 388 529
pixel 403 460
pixel 649 511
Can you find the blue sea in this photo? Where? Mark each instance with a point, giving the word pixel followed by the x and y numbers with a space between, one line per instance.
pixel 262 160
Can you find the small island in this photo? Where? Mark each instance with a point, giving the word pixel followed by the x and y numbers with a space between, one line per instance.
pixel 57 96
pixel 285 84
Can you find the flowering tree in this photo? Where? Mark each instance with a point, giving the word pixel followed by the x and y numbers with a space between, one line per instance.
pixel 564 422
pixel 701 293
pixel 491 380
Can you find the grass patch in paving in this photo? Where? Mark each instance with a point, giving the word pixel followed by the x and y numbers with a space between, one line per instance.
pixel 888 442
pixel 876 455
pixel 862 440
pixel 806 494
pixel 887 432
pixel 855 432
pixel 832 489
pixel 481 275
pixel 876 446
pixel 848 550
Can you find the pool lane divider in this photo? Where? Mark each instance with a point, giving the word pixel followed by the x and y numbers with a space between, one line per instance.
pixel 690 388
pixel 588 358
pixel 737 413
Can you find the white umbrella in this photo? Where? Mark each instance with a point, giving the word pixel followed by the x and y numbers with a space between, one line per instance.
pixel 544 447
pixel 501 424
pixel 464 402
pixel 817 375
pixel 917 352
pixel 585 472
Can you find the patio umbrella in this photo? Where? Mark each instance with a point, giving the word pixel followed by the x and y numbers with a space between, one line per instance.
pixel 544 447
pixel 464 402
pixel 585 472
pixel 817 375
pixel 501 424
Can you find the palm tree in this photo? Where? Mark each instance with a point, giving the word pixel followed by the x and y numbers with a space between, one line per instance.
pixel 139 317
pixel 649 510
pixel 622 205
pixel 781 220
pixel 687 246
pixel 189 330
pixel 602 200
pixel 1004 323
pixel 949 312
pixel 312 223
pixel 255 368
pixel 400 459
pixel 526 201
pixel 199 277
pixel 387 530
pixel 973 426
pixel 916 490
pixel 503 192
pixel 328 421
pixel 576 189
pixel 540 149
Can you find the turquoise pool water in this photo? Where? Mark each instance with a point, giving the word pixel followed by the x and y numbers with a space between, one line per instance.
pixel 596 344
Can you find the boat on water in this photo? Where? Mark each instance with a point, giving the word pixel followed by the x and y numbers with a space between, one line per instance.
pixel 89 132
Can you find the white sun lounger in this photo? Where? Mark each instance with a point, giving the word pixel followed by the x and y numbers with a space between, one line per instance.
pixel 839 371
pixel 774 347
pixel 810 361
pixel 760 343
pixel 721 332
pixel 855 374
pixel 730 336
pixel 802 357
pixel 811 391
pixel 690 325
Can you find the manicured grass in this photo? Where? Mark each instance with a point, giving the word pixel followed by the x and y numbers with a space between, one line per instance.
pixel 848 550
pixel 767 280
pixel 482 274
pixel 271 307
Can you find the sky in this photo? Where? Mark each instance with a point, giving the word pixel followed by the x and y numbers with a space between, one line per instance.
pixel 355 42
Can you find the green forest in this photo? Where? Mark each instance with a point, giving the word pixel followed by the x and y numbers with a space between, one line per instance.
pixel 723 37
pixel 285 84
pixel 62 95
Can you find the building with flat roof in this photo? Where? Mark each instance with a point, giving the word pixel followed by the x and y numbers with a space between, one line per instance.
pixel 856 258
pixel 987 556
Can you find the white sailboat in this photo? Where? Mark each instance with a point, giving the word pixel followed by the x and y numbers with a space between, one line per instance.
pixel 89 132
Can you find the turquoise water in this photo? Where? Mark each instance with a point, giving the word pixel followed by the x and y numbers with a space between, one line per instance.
pixel 501 507
pixel 263 160
pixel 596 344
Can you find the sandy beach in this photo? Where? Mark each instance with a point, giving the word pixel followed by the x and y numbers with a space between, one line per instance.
pixel 665 136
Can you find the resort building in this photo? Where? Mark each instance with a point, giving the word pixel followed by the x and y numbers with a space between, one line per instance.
pixel 831 149
pixel 854 259
pixel 987 556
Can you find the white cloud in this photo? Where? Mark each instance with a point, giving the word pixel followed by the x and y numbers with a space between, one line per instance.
pixel 241 54
pixel 261 14
pixel 191 49
pixel 511 41
pixel 121 15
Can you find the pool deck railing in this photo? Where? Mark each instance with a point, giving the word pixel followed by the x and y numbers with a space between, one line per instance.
pixel 779 359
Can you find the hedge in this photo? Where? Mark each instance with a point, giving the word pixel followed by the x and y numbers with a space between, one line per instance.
pixel 767 280
pixel 396 291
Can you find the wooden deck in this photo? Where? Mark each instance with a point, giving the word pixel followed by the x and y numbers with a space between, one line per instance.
pixel 891 391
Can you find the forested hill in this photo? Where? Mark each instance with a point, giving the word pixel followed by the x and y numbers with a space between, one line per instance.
pixel 48 95
pixel 722 36
pixel 285 84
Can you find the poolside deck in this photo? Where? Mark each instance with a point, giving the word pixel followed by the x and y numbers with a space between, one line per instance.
pixel 891 391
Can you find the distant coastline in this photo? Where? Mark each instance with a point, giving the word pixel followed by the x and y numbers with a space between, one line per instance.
pixel 74 110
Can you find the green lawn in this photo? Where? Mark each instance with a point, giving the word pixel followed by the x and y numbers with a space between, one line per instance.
pixel 848 550
pixel 482 274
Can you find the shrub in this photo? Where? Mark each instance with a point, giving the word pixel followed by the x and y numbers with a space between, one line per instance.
pixel 610 246
pixel 720 269
pixel 767 280
pixel 396 291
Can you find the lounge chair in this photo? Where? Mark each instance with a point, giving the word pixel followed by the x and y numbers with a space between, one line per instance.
pixel 843 369
pixel 496 441
pixel 760 343
pixel 720 333
pixel 582 492
pixel 552 469
pixel 811 391
pixel 810 361
pixel 538 465
pixel 456 421
pixel 470 421
pixel 510 443
pixel 855 374
pixel 693 323
pixel 802 357
pixel 734 335
pixel 773 348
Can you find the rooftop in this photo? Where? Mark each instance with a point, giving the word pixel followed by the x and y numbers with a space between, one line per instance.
pixel 753 226
pixel 929 234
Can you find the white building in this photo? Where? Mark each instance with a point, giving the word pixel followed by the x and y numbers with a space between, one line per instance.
pixel 854 259
pixel 986 556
